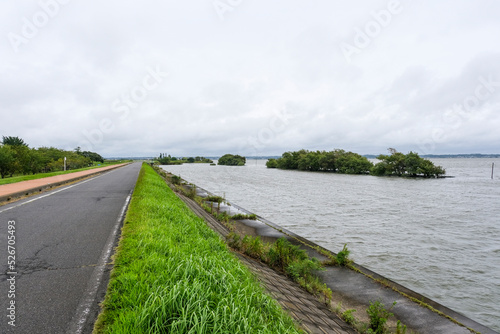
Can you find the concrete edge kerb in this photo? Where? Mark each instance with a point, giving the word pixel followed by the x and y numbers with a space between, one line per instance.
pixel 12 196
pixel 439 307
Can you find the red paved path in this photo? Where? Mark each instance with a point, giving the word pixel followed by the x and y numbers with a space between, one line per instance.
pixel 13 188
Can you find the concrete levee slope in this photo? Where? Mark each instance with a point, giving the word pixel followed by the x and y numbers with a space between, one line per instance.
pixel 356 288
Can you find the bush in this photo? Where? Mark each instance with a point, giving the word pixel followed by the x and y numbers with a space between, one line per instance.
pixel 342 257
pixel 282 253
pixel 241 216
pixel 378 317
pixel 252 247
pixel 271 163
pixel 175 179
pixel 348 317
pixel 216 199
pixel 303 268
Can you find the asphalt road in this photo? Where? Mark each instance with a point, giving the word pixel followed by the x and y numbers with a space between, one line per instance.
pixel 63 241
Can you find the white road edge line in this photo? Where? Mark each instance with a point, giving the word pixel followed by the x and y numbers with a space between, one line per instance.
pixel 83 310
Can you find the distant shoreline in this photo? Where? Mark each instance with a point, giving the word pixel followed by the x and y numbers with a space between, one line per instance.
pixel 369 156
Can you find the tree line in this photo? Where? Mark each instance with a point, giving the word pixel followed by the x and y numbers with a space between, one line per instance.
pixel 340 161
pixel 16 157
pixel 165 159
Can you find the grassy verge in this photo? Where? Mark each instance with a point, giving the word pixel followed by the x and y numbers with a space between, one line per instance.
pixel 173 274
pixel 21 178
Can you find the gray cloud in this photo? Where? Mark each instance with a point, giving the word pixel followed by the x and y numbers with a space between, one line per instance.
pixel 85 76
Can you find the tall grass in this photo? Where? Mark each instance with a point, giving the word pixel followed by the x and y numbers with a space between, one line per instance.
pixel 173 274
pixel 285 257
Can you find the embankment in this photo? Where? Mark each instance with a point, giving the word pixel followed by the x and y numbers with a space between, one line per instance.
pixel 173 274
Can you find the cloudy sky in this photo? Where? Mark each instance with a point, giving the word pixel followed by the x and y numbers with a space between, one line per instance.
pixel 208 77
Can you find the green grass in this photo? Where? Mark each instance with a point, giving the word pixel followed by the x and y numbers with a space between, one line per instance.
pixel 20 178
pixel 287 258
pixel 173 274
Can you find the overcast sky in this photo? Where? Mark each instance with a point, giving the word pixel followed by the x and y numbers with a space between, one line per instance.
pixel 205 77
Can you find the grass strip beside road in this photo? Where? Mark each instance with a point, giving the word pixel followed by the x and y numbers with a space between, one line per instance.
pixel 21 178
pixel 173 274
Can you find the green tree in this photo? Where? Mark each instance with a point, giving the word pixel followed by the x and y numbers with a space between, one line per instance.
pixel 271 163
pixel 13 141
pixel 48 156
pixel 328 162
pixel 35 162
pixel 309 161
pixel 411 165
pixel 352 163
pixel 6 160
pixel 22 156
pixel 287 162
pixel 91 155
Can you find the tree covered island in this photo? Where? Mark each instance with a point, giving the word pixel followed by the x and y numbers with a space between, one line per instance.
pixel 232 160
pixel 340 161
pixel 165 159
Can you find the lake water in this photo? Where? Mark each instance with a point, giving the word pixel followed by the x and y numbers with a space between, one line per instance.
pixel 439 237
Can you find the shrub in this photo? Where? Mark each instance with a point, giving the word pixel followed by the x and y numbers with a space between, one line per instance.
pixel 348 317
pixel 234 240
pixel 175 179
pixel 252 246
pixel 272 163
pixel 302 268
pixel 241 216
pixel 378 317
pixel 282 253
pixel 342 257
pixel 216 199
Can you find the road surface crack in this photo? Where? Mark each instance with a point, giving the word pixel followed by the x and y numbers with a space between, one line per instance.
pixel 21 271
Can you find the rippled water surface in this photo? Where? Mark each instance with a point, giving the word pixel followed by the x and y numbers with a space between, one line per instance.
pixel 439 237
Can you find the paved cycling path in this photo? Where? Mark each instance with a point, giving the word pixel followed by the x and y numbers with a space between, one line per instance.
pixel 19 189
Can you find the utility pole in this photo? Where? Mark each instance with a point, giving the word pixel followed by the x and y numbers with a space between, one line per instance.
pixel 492 168
pixel 64 163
